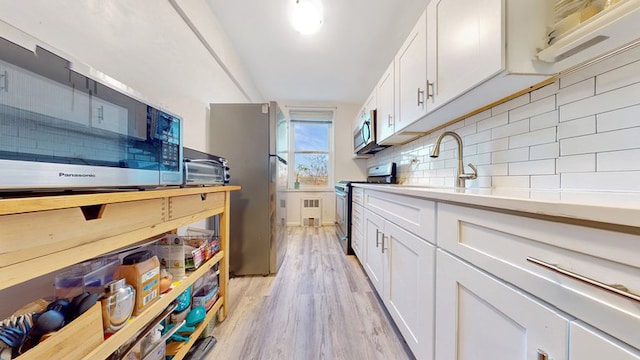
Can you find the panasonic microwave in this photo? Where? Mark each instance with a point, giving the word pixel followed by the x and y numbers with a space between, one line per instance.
pixel 364 138
pixel 60 129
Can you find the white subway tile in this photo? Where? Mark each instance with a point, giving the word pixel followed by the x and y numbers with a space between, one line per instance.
pixel 480 137
pixel 511 104
pixel 436 181
pixel 544 151
pixel 470 150
pixel 480 182
pixel 513 155
pixel 578 91
pixel 455 126
pixel 515 128
pixel 535 167
pixel 467 130
pixel 494 121
pixel 446 172
pixel 607 141
pixel 619 181
pixel 493 170
pixel 478 117
pixel 619 119
pixel 576 163
pixel 511 182
pixel 535 108
pixel 544 121
pixel 494 145
pixel 545 181
pixel 600 67
pixel 538 137
pixel 612 100
pixel 625 160
pixel 436 164
pixel 617 78
pixel 545 91
pixel 478 159
pixel 578 127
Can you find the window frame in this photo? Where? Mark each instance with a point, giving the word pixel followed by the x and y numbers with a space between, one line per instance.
pixel 330 144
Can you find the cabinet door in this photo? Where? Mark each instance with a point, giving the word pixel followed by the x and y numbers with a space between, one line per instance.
pixel 385 115
pixel 357 229
pixel 411 76
pixel 480 317
pixel 465 45
pixel 372 101
pixel 374 263
pixel 409 287
pixel 29 91
pixel 588 343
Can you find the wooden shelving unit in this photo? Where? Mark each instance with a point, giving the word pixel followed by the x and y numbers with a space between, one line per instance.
pixel 42 234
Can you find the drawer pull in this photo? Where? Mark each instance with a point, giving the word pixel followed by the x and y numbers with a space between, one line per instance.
pixel 383 243
pixel 615 289
pixel 542 355
pixel 377 237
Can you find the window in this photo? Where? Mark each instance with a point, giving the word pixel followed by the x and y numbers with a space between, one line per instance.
pixel 312 150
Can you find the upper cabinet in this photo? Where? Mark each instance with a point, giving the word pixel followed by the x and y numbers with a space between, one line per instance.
pixel 576 37
pixel 386 105
pixel 411 76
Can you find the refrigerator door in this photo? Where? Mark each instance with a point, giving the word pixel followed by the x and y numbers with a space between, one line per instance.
pixel 278 186
pixel 245 135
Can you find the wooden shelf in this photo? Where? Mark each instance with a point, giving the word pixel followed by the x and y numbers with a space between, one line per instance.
pixel 137 323
pixel 42 234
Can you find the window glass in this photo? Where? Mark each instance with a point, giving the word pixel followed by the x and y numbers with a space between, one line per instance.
pixel 312 150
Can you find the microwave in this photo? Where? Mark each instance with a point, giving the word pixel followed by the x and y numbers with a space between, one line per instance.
pixel 364 138
pixel 60 129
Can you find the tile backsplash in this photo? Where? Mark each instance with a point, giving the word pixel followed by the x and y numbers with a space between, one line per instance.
pixel 580 132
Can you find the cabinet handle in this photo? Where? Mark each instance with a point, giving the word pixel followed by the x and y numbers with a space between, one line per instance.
pixel 542 355
pixel 5 76
pixel 420 98
pixel 377 236
pixel 389 120
pixel 101 114
pixel 430 92
pixel 615 289
pixel 383 243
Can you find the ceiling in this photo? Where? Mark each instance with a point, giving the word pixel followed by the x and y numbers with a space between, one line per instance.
pixel 341 63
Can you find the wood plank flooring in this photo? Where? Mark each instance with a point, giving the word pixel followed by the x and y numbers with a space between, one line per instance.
pixel 319 306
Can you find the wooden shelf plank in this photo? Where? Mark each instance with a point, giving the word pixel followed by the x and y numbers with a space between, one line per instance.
pixel 16 205
pixel 137 323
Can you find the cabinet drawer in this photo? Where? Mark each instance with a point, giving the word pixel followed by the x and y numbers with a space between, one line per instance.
pixel 505 245
pixel 181 206
pixel 357 213
pixel 357 194
pixel 412 214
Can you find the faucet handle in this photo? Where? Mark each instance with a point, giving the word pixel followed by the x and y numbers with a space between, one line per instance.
pixel 470 176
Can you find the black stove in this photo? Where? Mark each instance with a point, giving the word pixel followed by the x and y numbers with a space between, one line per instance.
pixel 379 174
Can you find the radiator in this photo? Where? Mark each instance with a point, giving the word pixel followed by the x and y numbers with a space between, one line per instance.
pixel 311 212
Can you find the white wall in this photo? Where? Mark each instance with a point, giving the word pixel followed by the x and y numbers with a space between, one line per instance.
pixel 581 132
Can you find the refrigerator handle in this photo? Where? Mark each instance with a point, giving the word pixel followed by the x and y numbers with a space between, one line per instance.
pixel 279 158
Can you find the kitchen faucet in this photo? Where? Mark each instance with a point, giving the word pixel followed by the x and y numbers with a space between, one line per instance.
pixel 461 176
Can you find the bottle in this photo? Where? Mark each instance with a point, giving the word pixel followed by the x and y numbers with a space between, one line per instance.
pixel 142 271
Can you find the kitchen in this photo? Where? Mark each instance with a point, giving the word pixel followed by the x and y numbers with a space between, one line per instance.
pixel 576 133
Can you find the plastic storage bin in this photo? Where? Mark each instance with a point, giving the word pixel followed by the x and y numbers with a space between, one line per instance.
pixel 88 276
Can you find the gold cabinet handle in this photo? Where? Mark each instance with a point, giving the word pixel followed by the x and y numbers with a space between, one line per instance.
pixel 383 243
pixel 615 289
pixel 389 124
pixel 542 355
pixel 430 90
pixel 420 97
pixel 377 238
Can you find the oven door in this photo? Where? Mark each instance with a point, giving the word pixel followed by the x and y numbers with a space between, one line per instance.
pixel 342 218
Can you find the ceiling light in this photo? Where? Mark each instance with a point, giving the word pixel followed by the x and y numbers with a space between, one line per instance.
pixel 306 17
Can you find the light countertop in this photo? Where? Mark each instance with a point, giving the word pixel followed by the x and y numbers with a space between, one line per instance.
pixel 620 208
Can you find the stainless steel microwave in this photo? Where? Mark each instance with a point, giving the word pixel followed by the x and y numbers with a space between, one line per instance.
pixel 61 129
pixel 364 138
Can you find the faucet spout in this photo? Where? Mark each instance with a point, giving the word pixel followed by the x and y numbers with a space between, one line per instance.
pixel 461 175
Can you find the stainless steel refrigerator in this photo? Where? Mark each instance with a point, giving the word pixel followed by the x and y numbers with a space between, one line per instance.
pixel 253 138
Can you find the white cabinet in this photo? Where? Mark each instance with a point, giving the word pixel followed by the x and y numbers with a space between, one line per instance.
pixel 401 266
pixel 108 116
pixel 480 52
pixel 480 317
pixel 357 226
pixel 411 76
pixel 588 343
pixel 385 114
pixel 24 90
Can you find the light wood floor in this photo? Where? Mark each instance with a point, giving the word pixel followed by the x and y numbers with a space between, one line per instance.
pixel 319 306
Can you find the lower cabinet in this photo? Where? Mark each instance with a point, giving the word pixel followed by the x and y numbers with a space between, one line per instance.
pixel 401 266
pixel 588 343
pixel 480 317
